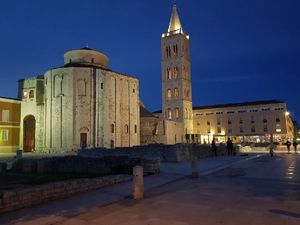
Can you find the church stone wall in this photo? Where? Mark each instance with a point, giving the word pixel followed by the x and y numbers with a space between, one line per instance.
pixel 83 100
pixel 30 107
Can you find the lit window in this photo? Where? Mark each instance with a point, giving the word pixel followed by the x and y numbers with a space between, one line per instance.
pixel 175 72
pixel 169 73
pixel 25 94
pixel 278 130
pixel 4 135
pixel 177 113
pixel 169 94
pixel 5 115
pixel 176 93
pixel 169 114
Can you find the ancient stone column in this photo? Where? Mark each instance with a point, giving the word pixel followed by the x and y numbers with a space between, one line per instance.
pixel 195 173
pixel 138 183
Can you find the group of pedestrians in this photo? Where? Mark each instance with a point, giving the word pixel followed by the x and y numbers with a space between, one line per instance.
pixel 288 145
pixel 229 147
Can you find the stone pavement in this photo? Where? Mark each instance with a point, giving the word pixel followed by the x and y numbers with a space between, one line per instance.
pixel 60 210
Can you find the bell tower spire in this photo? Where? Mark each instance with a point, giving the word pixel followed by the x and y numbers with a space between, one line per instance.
pixel 176 75
pixel 174 24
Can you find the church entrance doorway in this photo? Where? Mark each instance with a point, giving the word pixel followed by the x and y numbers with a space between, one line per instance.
pixel 83 140
pixel 29 134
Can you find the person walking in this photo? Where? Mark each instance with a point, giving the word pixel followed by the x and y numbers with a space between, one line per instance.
pixel 214 147
pixel 288 145
pixel 229 146
pixel 295 144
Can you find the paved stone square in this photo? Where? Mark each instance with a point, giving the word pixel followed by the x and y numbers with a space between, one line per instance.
pixel 256 190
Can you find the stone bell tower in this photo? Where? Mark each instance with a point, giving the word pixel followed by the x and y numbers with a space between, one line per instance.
pixel 176 75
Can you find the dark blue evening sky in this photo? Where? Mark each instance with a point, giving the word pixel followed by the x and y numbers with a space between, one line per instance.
pixel 241 50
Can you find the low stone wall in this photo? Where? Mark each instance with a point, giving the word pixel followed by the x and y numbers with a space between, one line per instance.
pixel 13 200
pixel 106 165
pixel 166 153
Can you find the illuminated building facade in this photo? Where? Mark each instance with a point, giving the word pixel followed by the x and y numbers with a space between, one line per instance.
pixel 82 104
pixel 244 122
pixel 10 124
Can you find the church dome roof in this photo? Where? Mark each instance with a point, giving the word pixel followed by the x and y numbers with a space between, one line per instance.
pixel 86 57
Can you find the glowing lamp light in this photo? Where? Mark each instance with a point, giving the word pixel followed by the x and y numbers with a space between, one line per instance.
pixel 287 113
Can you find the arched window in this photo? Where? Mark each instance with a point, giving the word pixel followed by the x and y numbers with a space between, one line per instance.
pixel 176 93
pixel 31 94
pixel 183 72
pixel 81 87
pixel 126 129
pixel 175 50
pixel 168 51
pixel 112 127
pixel 177 113
pixel 169 114
pixel 167 55
pixel 57 85
pixel 169 94
pixel 175 72
pixel 169 73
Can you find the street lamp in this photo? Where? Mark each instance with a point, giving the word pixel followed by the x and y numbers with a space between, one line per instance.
pixel 287 113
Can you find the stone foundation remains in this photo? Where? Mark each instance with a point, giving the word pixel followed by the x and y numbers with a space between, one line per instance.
pixel 166 153
pixel 17 199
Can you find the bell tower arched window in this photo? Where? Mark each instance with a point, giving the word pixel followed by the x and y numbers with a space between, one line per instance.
pixel 175 72
pixel 169 94
pixel 176 93
pixel 168 73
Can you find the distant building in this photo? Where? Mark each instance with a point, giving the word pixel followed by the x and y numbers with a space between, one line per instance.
pixel 9 124
pixel 82 104
pixel 245 122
